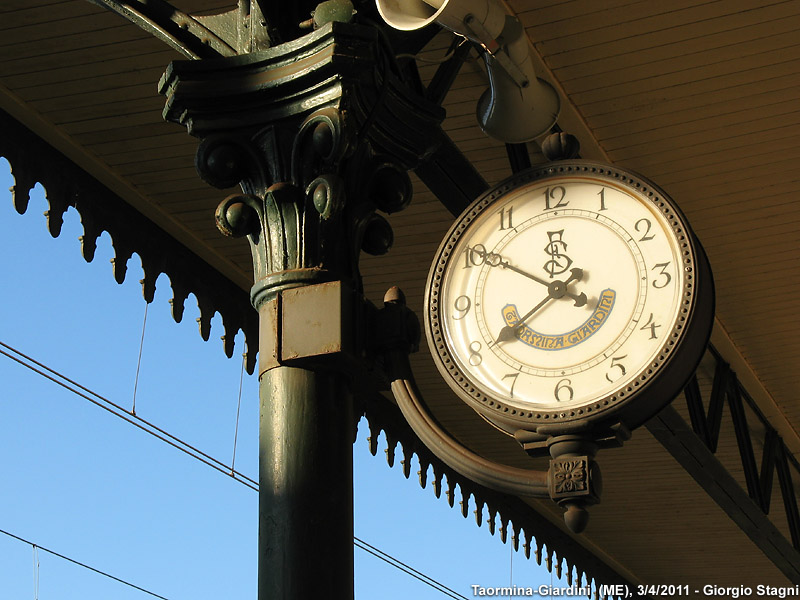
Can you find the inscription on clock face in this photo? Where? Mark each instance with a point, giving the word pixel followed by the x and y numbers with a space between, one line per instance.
pixel 560 295
pixel 543 341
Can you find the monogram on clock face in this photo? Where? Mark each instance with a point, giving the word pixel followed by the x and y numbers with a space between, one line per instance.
pixel 563 292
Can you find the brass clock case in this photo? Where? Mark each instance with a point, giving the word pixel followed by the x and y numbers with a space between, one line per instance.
pixel 681 345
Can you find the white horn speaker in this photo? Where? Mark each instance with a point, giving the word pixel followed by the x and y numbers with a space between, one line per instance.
pixel 474 19
pixel 518 106
pixel 516 111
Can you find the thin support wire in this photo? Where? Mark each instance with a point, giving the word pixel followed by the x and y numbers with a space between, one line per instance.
pixel 139 361
pixel 511 565
pixel 35 572
pixel 75 562
pixel 238 408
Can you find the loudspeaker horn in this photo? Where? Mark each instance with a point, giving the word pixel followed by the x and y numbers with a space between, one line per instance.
pixel 479 20
pixel 518 106
pixel 516 109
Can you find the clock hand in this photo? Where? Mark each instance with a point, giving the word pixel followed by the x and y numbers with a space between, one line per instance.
pixel 556 289
pixel 509 332
pixel 506 265
pixel 575 275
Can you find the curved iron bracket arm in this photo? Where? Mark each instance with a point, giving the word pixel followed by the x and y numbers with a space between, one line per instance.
pixel 179 30
pixel 499 477
pixel 573 479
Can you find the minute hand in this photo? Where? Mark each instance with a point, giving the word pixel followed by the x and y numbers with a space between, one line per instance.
pixel 506 265
pixel 575 275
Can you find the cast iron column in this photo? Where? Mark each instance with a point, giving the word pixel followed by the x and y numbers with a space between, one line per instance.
pixel 319 133
pixel 306 486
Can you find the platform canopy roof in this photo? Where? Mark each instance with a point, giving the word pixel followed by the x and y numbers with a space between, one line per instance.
pixel 701 96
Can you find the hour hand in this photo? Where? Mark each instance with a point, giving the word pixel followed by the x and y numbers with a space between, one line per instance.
pixel 580 299
pixel 509 332
pixel 575 275
pixel 558 289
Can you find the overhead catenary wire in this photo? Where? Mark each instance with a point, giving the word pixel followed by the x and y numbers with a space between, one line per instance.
pixel 113 408
pixel 38 547
pixel 139 361
pixel 407 569
pixel 124 414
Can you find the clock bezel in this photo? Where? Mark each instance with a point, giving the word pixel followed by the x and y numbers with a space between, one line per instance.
pixel 654 386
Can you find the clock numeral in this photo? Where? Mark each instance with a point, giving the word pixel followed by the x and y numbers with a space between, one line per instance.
pixel 602 194
pixel 513 377
pixel 477 255
pixel 505 218
pixel 616 364
pixel 663 272
pixel 475 357
pixel 651 325
pixel 563 388
pixel 556 194
pixel 646 237
pixel 462 305
pixel 474 256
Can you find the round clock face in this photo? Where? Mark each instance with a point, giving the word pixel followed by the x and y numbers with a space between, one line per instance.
pixel 561 296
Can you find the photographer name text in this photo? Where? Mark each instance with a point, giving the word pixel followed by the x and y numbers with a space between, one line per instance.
pixel 626 591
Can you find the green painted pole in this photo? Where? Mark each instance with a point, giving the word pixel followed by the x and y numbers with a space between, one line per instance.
pixel 306 486
pixel 317 148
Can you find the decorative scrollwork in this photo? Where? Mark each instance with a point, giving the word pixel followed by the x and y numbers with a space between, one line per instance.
pixel 224 160
pixel 377 237
pixel 319 146
pixel 327 195
pixel 239 215
pixel 388 186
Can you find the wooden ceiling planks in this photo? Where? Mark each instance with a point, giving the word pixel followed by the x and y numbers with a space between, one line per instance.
pixel 73 34
pixel 703 98
pixel 631 27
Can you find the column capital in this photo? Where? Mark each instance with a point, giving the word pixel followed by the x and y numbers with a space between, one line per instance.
pixel 319 133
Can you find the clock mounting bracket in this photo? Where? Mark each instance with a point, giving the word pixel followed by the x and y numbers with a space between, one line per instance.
pixel 534 378
pixel 573 478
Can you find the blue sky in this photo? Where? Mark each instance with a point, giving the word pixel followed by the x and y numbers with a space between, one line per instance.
pixel 86 484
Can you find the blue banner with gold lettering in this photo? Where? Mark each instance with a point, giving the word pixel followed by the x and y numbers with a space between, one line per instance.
pixel 546 341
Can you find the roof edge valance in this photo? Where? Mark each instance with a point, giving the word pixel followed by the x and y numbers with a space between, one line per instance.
pixel 67 185
pixel 33 160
